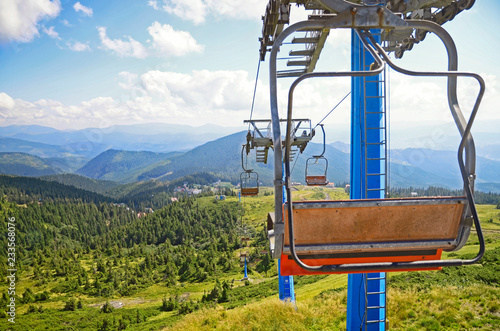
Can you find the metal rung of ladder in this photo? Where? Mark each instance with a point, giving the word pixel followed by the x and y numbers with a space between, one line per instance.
pixel 305 40
pixel 298 63
pixel 304 52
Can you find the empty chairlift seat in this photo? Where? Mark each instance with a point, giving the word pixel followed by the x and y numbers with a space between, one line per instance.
pixel 316 171
pixel 249 181
pixel 317 167
pixel 371 231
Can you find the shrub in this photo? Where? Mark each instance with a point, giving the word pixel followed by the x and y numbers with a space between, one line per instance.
pixel 43 296
pixel 28 296
pixel 170 304
pixel 31 309
pixel 107 308
pixel 70 305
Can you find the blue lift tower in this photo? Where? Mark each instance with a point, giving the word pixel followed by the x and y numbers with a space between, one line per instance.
pixel 366 295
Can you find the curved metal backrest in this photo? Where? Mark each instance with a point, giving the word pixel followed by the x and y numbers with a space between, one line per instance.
pixel 243 149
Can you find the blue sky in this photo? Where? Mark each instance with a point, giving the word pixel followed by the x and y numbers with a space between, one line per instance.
pixel 77 64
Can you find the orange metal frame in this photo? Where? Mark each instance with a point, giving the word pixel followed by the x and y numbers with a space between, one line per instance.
pixel 290 268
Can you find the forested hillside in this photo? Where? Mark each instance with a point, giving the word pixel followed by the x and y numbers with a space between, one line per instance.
pixel 90 263
pixel 81 182
pixel 24 190
pixel 22 164
pixel 70 249
pixel 121 166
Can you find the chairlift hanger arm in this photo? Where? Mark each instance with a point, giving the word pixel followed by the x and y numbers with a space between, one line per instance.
pixel 242 161
pixel 324 143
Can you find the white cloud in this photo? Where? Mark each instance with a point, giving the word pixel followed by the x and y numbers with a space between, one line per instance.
pixel 85 10
pixel 208 90
pixel 6 102
pixel 225 97
pixel 170 42
pixel 66 23
pixel 19 19
pixel 78 46
pixel 251 9
pixel 129 48
pixel 197 98
pixel 154 4
pixel 198 10
pixel 165 42
pixel 51 32
pixel 193 10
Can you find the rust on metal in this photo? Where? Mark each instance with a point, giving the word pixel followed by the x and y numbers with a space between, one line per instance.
pixel 375 224
pixel 250 191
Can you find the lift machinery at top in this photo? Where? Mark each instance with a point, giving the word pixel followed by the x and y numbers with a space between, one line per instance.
pixel 370 234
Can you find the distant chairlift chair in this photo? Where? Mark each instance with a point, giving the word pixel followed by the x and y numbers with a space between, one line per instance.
pixel 249 179
pixel 317 167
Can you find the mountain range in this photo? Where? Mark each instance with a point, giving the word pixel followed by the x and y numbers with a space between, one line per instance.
pixel 417 167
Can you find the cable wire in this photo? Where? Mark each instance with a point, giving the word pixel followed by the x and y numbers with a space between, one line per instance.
pixel 338 104
pixel 291 172
pixel 254 91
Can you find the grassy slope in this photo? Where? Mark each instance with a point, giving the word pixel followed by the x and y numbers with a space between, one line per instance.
pixel 321 304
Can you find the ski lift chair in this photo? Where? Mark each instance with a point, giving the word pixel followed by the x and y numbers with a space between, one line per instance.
pixel 317 167
pixel 316 164
pixel 249 183
pixel 375 235
pixel 249 179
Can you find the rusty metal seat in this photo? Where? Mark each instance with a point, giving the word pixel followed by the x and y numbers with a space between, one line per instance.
pixel 373 231
pixel 249 191
pixel 316 180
